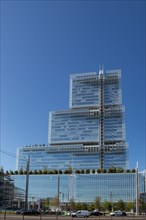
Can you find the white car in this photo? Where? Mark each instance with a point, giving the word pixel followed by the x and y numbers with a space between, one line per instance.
pixel 118 213
pixel 81 213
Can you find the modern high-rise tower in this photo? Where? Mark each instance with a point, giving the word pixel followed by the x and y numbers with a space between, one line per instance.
pixel 91 134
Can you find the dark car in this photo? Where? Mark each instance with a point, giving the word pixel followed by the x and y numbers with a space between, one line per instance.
pixel 96 213
pixel 31 212
pixel 18 212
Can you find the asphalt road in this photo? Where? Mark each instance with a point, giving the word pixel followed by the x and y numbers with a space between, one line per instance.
pixel 50 217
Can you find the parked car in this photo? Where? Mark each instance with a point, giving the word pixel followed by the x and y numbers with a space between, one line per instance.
pixel 118 213
pixel 80 213
pixel 96 213
pixel 18 212
pixel 31 212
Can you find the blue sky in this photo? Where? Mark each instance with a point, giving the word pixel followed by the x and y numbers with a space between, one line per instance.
pixel 43 42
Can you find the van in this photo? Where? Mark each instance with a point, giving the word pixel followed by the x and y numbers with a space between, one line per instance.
pixel 81 213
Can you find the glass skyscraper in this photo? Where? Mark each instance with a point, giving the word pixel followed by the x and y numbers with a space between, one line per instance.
pixel 91 134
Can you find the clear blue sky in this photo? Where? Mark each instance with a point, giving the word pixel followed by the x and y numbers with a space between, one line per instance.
pixel 43 42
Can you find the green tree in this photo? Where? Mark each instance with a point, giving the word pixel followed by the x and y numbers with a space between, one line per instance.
pixel 70 170
pixel 35 172
pixel 98 170
pixel 107 206
pixel 40 171
pixel 82 171
pixel 142 206
pixel 91 206
pixel 16 172
pixel 129 206
pixel 97 202
pixel 112 169
pixel 128 171
pixel 121 205
pixel 93 171
pixel 78 206
pixel 77 171
pixel 84 206
pixel 120 170
pixel 11 172
pixel 21 171
pixel 103 170
pixel 60 171
pixel 87 171
pixel 72 205
pixel 45 171
pixel 133 170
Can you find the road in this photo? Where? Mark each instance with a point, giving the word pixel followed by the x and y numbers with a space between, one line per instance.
pixel 52 217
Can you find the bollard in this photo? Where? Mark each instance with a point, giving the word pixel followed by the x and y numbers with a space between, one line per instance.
pixel 23 216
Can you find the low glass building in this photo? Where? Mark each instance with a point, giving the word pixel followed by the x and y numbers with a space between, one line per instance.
pixel 82 187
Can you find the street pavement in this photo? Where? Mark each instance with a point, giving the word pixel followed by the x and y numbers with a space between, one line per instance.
pixel 53 217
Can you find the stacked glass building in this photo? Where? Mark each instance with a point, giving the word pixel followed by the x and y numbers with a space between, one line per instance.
pixel 91 134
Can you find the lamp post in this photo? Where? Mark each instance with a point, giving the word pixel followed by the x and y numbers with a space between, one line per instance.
pixel 137 205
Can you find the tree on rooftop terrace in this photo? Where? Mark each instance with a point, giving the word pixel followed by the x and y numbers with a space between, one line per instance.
pixel 120 170
pixel 70 170
pixel 112 169
pixel 87 171
pixel 93 171
pixel 45 171
pixel 40 171
pixel 20 171
pixel 103 170
pixel 98 170
pixel 82 171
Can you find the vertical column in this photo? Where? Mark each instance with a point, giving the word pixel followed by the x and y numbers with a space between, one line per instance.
pixel 101 155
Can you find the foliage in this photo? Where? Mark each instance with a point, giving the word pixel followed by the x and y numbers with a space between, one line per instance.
pixel 16 172
pixel 35 172
pixel 107 206
pixel 133 170
pixel 70 170
pixel 60 171
pixel 21 171
pixel 97 202
pixel 98 170
pixel 82 171
pixel 87 171
pixel 45 171
pixel 91 206
pixel 128 171
pixel 72 204
pixel 112 169
pixel 40 172
pixel 103 170
pixel 93 171
pixel 120 205
pixel 120 170
pixel 77 171
pixel 129 206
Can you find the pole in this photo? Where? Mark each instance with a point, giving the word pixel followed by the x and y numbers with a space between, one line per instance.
pixel 27 183
pixel 137 206
pixel 58 197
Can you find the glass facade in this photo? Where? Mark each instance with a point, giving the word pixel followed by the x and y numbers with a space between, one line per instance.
pixel 82 187
pixel 91 134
